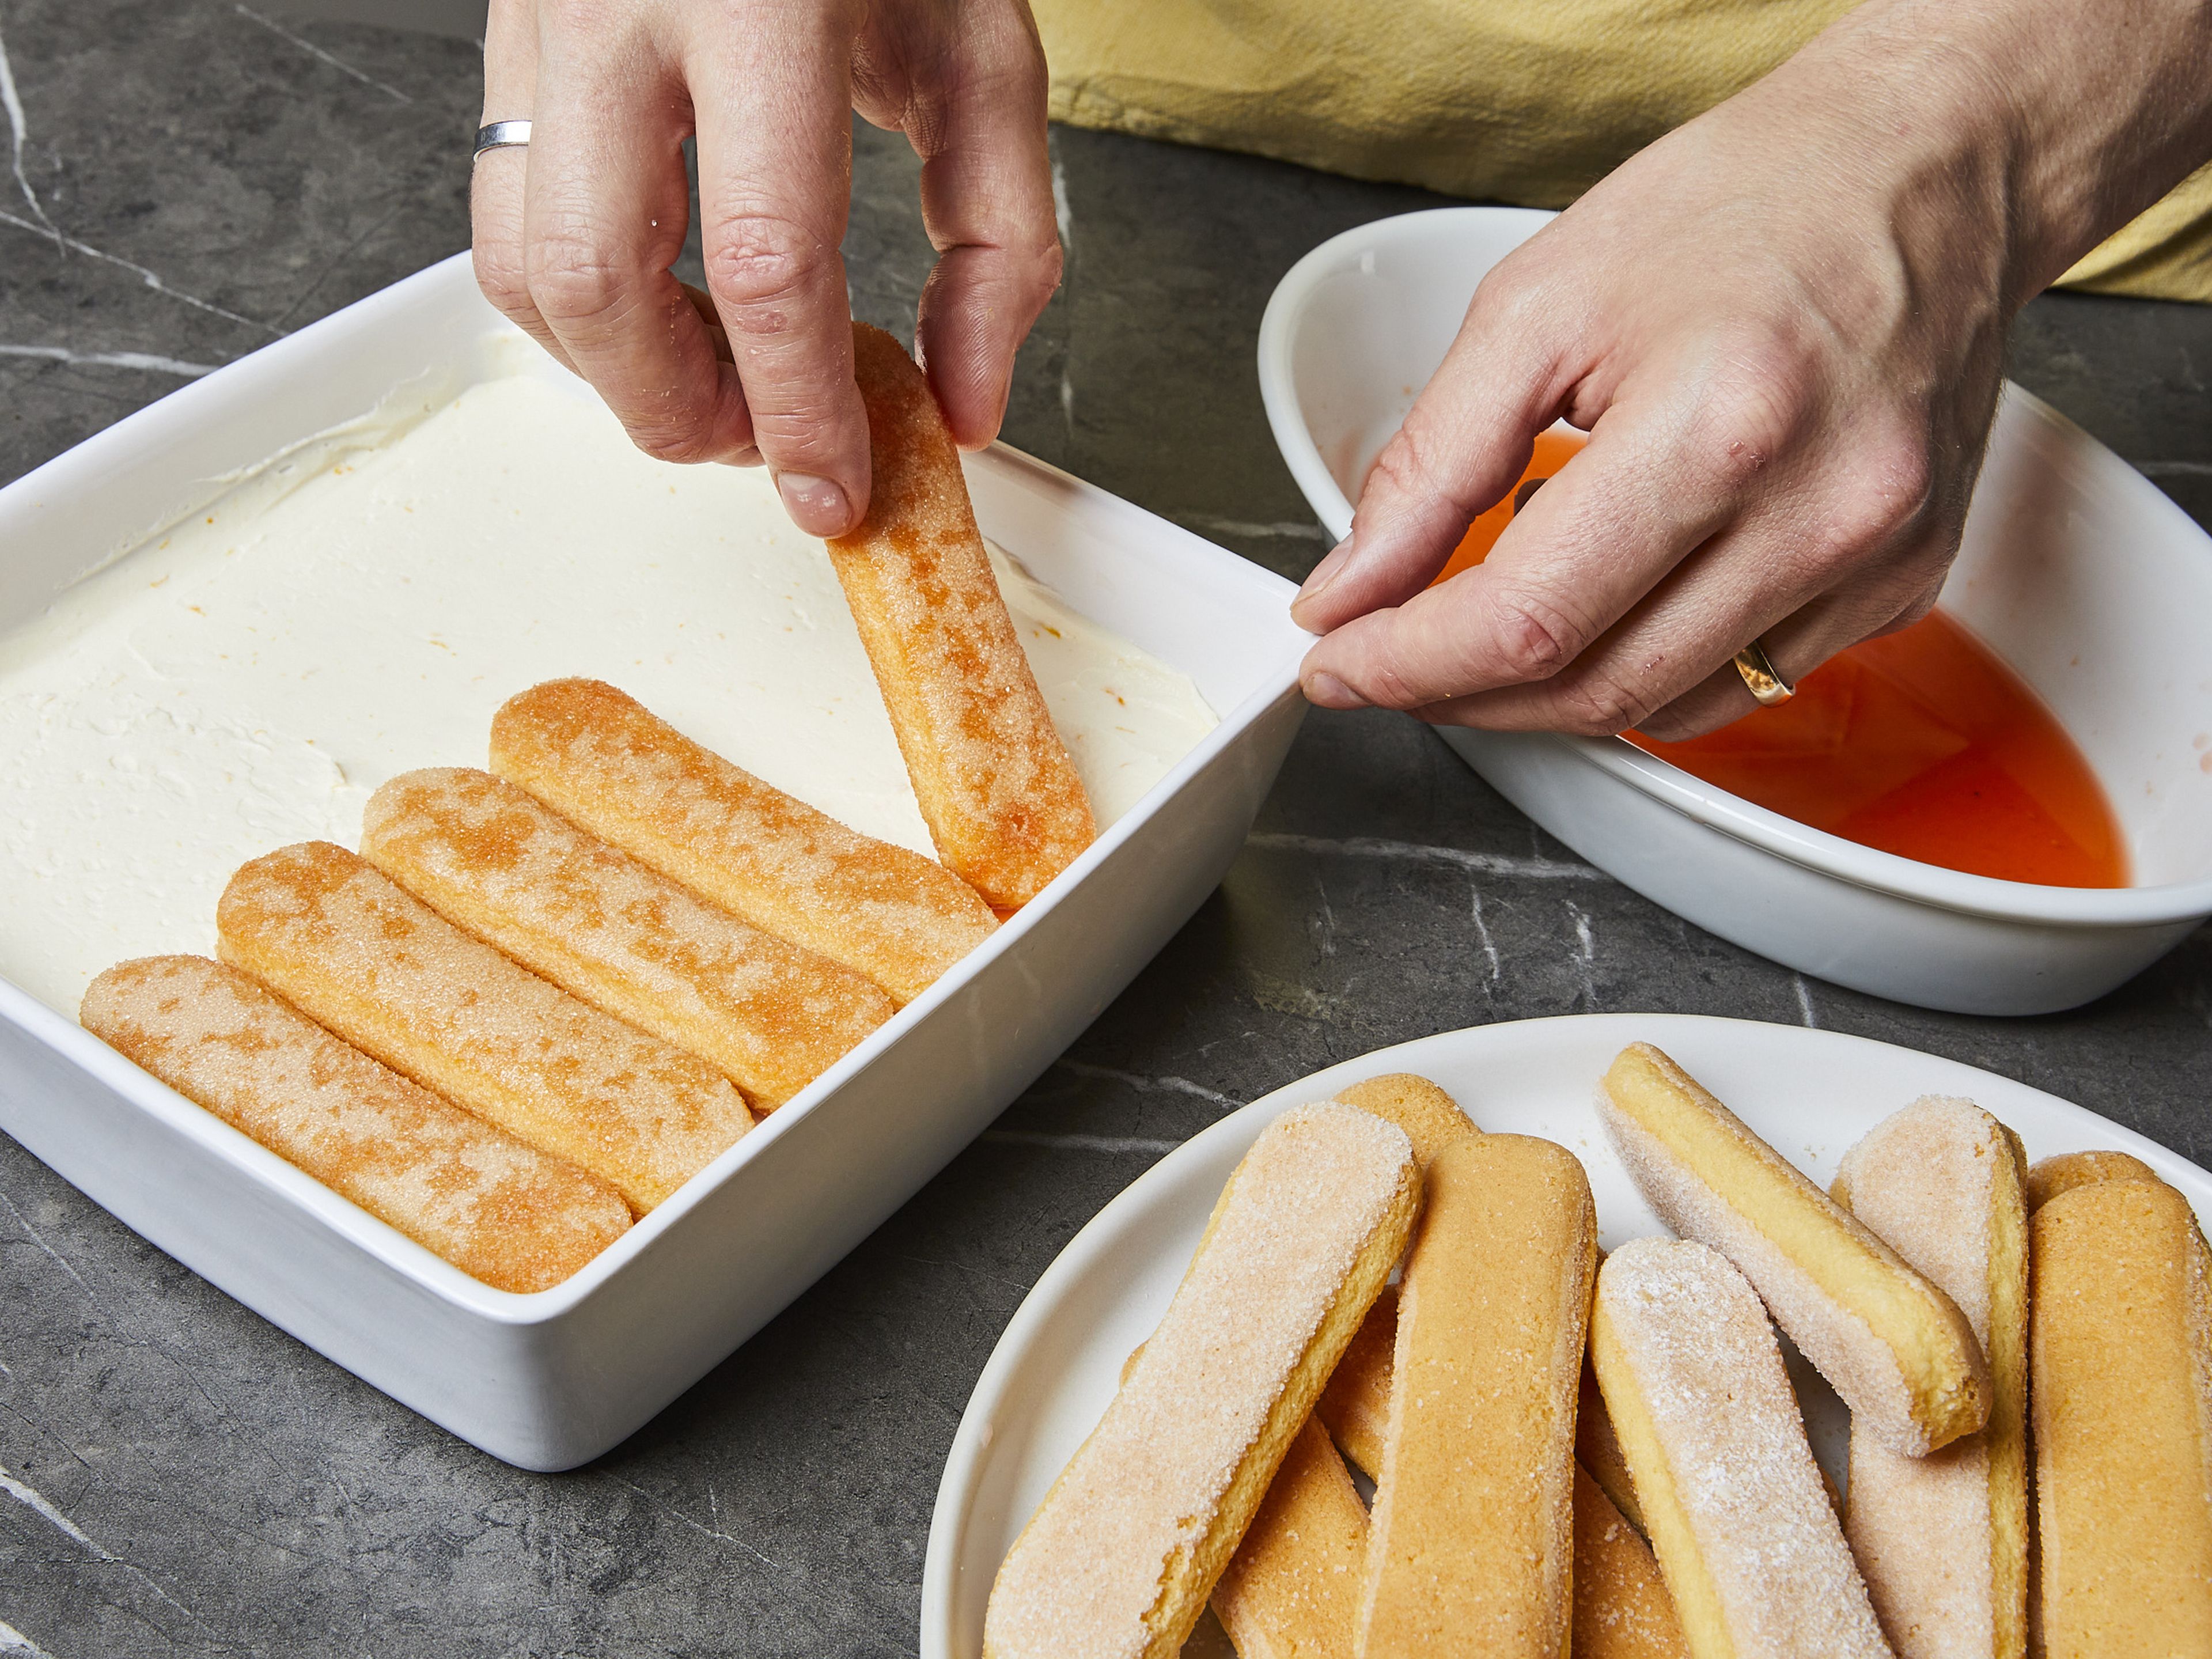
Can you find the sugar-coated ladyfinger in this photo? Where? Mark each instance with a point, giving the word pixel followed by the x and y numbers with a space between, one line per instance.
pixel 602 760
pixel 993 780
pixel 1470 1547
pixel 1622 1609
pixel 1942 1539
pixel 497 1209
pixel 1121 1557
pixel 1752 1554
pixel 1291 1591
pixel 2062 1172
pixel 772 1015
pixel 2120 1342
pixel 1902 1357
pixel 340 940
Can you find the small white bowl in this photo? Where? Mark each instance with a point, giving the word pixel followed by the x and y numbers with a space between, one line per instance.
pixel 2077 571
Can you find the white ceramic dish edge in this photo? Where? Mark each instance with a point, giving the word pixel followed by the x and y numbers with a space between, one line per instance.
pixel 548 1380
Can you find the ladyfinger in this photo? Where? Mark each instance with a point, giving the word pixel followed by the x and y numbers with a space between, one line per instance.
pixel 602 761
pixel 1291 1591
pixel 1472 1535
pixel 1942 1539
pixel 770 1015
pixel 1622 1609
pixel 2120 1341
pixel 2062 1172
pixel 1893 1345
pixel 339 940
pixel 1692 1376
pixel 1355 1407
pixel 498 1210
pixel 1121 1557
pixel 1431 1118
pixel 995 785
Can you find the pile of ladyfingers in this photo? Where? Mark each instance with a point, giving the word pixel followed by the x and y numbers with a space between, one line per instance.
pixel 542 997
pixel 1571 1452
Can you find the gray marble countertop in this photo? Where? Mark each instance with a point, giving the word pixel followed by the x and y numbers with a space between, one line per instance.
pixel 189 179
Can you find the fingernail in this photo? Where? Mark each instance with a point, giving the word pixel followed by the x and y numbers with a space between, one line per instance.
pixel 1328 691
pixel 1323 575
pixel 816 506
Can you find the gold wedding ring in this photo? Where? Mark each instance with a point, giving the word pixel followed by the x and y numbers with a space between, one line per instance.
pixel 1760 677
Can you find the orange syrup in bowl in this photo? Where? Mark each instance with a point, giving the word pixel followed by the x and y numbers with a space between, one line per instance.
pixel 1923 744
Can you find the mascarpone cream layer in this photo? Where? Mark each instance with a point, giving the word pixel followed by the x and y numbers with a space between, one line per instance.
pixel 360 607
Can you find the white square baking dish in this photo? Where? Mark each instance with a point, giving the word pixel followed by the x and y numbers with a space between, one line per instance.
pixel 549 1380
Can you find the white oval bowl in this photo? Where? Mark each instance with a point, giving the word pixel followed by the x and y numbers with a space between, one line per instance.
pixel 1811 1094
pixel 2119 648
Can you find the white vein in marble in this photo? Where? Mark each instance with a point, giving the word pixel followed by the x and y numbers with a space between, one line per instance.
pixel 149 362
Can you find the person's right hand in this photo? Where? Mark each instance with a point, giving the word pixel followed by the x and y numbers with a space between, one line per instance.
pixel 575 234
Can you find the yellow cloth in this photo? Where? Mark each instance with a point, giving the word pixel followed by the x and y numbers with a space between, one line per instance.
pixel 1530 101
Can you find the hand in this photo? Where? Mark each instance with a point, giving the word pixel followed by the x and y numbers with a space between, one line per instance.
pixel 1783 326
pixel 574 235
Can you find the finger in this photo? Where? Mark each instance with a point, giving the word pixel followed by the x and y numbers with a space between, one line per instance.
pixel 986 203
pixel 1681 640
pixel 495 184
pixel 1675 458
pixel 604 215
pixel 703 303
pixel 1466 440
pixel 1606 531
pixel 774 179
pixel 1796 645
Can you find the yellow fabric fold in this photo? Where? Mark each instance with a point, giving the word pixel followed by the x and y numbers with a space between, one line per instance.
pixel 1528 101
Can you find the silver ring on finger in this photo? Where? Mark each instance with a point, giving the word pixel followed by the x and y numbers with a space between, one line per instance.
pixel 1760 677
pixel 502 135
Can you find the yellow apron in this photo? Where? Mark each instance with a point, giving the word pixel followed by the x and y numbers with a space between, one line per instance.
pixel 1530 101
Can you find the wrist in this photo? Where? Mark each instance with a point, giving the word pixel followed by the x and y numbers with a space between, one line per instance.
pixel 2033 128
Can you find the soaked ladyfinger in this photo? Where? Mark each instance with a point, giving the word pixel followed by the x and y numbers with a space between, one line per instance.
pixel 1893 1345
pixel 994 782
pixel 1942 1539
pixel 772 1015
pixel 604 762
pixel 340 940
pixel 1118 1561
pixel 497 1209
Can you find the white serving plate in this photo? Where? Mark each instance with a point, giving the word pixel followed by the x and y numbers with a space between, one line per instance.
pixel 1810 1093
pixel 2076 569
pixel 549 1380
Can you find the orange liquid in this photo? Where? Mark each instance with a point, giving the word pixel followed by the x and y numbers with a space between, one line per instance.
pixel 1553 451
pixel 1923 744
